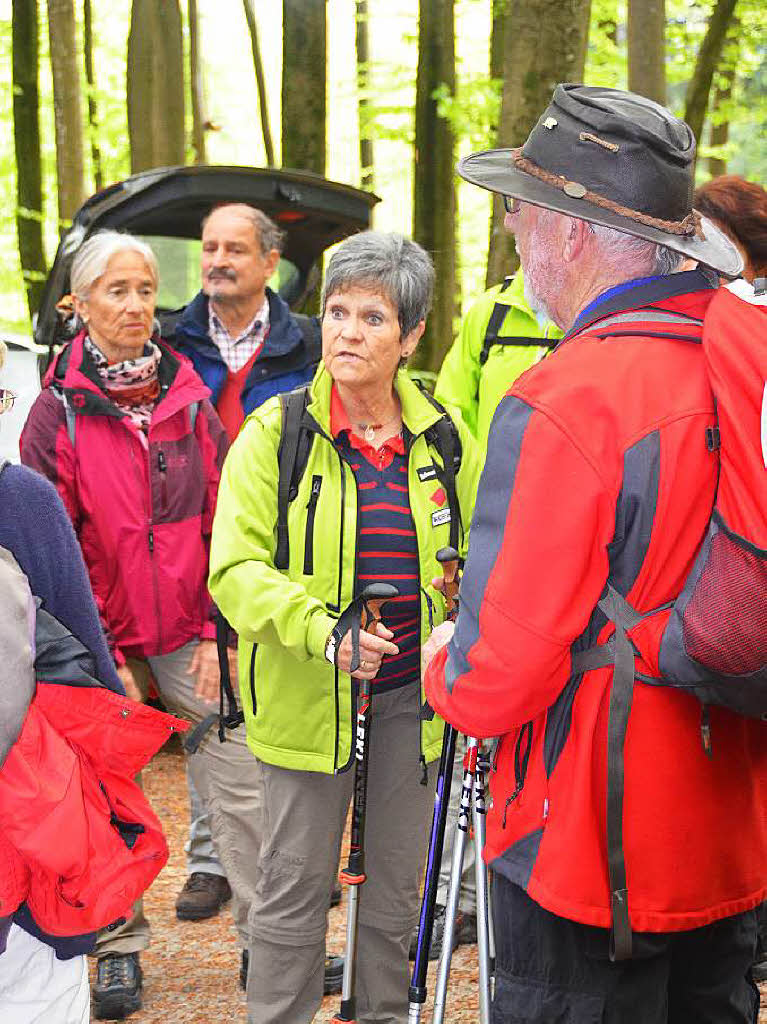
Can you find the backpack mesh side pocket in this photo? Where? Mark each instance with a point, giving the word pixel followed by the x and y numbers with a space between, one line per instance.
pixel 724 625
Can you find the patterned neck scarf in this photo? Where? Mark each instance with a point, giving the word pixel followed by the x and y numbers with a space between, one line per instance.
pixel 133 384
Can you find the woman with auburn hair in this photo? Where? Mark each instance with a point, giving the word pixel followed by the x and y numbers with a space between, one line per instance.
pixel 739 208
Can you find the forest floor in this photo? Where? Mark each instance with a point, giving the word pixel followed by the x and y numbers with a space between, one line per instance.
pixel 191 968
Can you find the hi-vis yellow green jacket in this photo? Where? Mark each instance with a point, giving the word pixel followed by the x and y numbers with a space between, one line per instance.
pixel 298 708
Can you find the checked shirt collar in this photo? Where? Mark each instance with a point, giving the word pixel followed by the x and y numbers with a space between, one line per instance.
pixel 236 352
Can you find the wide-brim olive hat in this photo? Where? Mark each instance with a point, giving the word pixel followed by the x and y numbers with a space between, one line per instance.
pixel 612 158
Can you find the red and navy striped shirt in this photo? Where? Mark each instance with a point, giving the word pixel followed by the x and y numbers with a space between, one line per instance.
pixel 387 549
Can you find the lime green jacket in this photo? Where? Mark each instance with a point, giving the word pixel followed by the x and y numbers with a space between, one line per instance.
pixel 298 708
pixel 473 388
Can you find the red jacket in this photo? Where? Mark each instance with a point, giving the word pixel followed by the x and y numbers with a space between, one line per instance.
pixel 142 512
pixel 69 845
pixel 597 466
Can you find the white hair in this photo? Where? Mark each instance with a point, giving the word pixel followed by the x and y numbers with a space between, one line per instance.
pixel 93 256
pixel 649 257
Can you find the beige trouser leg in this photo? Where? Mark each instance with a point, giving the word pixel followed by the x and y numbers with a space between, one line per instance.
pixel 303 820
pixel 227 779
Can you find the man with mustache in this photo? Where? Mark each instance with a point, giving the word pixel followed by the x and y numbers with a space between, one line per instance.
pixel 240 335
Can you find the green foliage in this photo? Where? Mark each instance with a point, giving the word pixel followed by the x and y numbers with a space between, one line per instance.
pixel 473 112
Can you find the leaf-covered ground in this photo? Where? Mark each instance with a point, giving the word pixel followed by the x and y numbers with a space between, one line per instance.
pixel 191 968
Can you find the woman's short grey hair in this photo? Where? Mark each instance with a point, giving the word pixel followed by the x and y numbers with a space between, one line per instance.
pixel 389 263
pixel 93 256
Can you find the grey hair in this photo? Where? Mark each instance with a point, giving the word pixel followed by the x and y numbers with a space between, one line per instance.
pixel 654 258
pixel 93 256
pixel 396 266
pixel 268 235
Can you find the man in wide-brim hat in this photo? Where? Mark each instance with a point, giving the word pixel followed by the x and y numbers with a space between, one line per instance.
pixel 627 868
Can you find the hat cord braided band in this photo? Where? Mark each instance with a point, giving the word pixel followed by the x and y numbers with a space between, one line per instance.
pixel 689 226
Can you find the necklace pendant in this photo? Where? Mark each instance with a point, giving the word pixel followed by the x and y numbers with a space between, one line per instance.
pixel 369 434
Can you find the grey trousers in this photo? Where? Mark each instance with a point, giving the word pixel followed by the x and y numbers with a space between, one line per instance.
pixel 227 780
pixel 467 900
pixel 303 821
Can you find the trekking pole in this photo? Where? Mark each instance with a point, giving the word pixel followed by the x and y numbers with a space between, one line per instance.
pixel 448 559
pixel 372 599
pixel 485 954
pixel 472 806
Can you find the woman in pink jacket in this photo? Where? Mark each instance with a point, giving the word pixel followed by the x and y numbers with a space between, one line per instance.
pixel 125 431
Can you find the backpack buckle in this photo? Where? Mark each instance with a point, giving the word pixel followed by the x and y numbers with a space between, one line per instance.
pixel 713 440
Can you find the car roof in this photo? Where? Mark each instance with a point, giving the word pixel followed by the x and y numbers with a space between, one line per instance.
pixel 171 201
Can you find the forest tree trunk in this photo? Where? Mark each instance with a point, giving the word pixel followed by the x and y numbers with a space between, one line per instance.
pixel 258 68
pixel 67 108
pixel 720 132
pixel 434 194
pixel 500 243
pixel 303 84
pixel 699 87
pixel 26 137
pixel 196 89
pixel 93 119
pixel 155 85
pixel 646 39
pixel 363 95
pixel 544 43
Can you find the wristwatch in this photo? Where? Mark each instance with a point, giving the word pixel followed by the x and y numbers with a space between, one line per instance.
pixel 332 644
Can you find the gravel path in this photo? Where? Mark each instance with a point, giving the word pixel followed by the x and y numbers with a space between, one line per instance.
pixel 191 968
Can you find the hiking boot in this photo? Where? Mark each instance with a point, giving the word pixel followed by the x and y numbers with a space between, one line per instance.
pixel 116 992
pixel 334 973
pixel 335 896
pixel 462 921
pixel 203 896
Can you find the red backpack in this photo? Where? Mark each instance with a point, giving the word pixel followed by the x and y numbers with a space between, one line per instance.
pixel 714 645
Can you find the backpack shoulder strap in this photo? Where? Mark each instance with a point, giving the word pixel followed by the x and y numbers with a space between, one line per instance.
pixel 292 405
pixel 654 323
pixel 494 324
pixel 444 435
pixel 194 408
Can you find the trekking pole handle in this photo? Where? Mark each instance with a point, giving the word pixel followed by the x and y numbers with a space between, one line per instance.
pixel 448 559
pixel 374 597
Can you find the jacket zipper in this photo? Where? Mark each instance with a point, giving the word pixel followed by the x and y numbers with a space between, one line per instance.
pixel 353 719
pixel 311 511
pixel 521 760
pixel 150 545
pixel 253 678
pixel 162 465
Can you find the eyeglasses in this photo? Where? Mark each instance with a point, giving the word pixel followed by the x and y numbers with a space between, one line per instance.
pixel 7 398
pixel 511 204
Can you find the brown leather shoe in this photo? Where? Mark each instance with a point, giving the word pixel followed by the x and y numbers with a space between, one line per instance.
pixel 203 896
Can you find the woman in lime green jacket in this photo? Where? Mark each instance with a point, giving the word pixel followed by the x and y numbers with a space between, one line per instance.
pixel 372 504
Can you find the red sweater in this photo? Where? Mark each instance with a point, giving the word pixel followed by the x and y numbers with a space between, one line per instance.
pixel 597 465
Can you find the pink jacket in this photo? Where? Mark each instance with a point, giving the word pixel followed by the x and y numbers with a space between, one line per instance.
pixel 142 508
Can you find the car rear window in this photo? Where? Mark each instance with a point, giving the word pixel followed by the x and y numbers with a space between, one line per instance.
pixel 179 260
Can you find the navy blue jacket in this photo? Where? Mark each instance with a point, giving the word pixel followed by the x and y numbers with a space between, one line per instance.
pixel 287 360
pixel 36 529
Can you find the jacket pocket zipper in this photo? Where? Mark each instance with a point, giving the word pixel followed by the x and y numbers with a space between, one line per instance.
pixel 311 511
pixel 253 679
pixel 521 760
